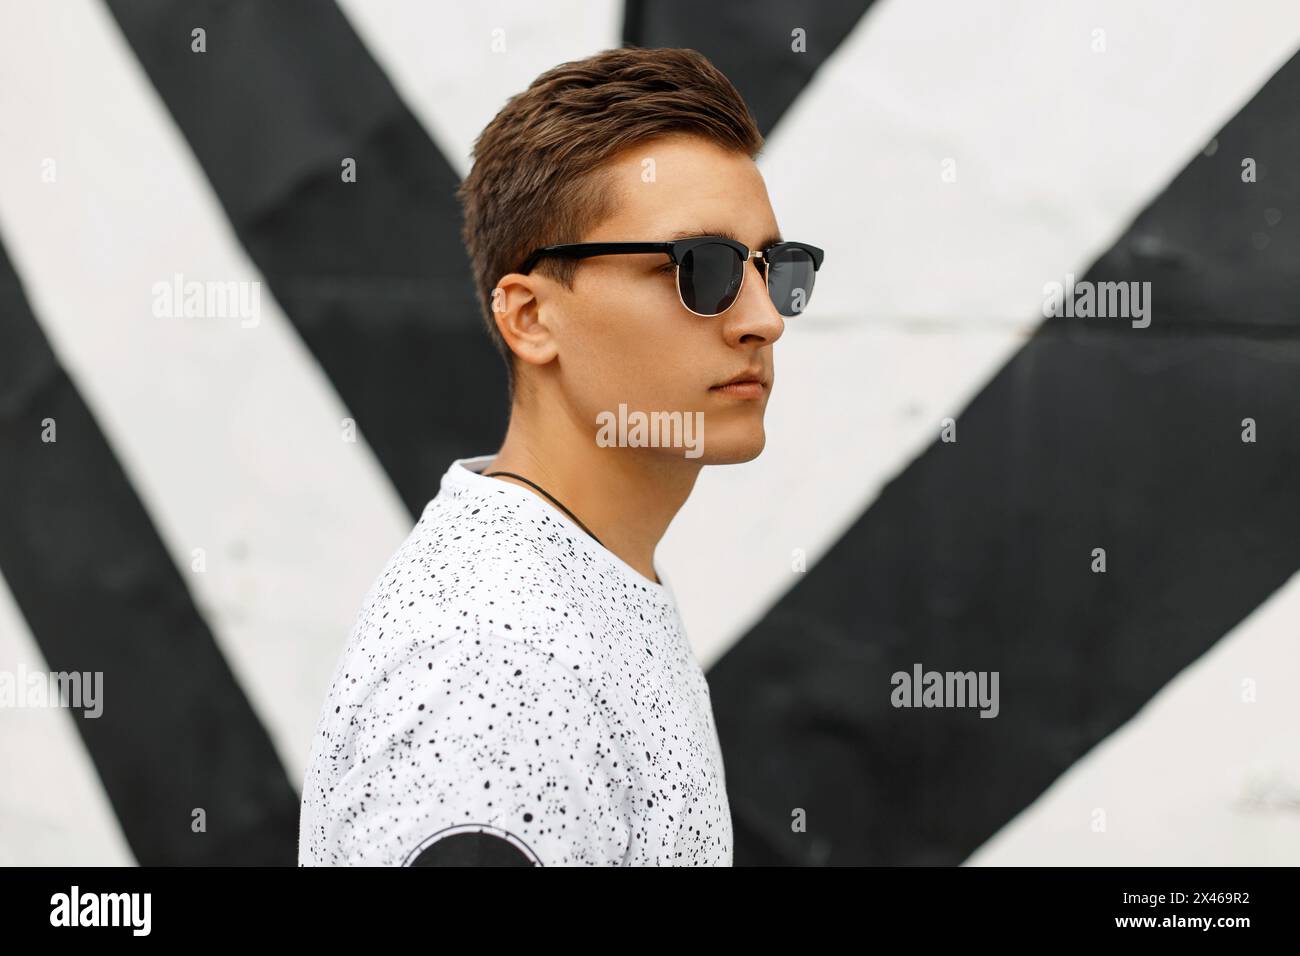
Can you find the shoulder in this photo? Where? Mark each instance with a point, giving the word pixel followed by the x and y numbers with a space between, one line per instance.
pixel 468 695
pixel 478 564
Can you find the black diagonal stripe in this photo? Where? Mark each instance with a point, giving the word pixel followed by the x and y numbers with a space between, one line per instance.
pixel 977 557
pixel 100 594
pixel 752 43
pixel 372 274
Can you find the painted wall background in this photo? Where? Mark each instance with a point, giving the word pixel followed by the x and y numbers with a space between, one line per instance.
pixel 951 158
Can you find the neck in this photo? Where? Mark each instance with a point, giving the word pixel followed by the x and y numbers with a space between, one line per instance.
pixel 626 496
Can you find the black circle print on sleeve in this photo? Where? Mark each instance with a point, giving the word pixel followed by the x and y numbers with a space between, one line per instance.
pixel 474 844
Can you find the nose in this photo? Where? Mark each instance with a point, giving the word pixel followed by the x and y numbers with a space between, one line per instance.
pixel 753 318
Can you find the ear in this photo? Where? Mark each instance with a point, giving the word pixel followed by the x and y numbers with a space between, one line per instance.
pixel 519 309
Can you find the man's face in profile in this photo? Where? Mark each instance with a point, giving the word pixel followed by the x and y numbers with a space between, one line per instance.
pixel 624 335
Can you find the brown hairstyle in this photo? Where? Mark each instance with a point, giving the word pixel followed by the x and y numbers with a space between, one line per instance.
pixel 535 179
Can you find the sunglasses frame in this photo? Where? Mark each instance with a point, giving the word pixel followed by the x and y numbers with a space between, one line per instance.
pixel 675 250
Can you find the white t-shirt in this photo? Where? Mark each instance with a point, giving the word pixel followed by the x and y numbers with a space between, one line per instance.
pixel 514 693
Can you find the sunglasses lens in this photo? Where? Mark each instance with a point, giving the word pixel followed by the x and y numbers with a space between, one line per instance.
pixel 790 277
pixel 709 278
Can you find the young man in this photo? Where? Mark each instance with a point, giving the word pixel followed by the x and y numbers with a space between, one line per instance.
pixel 518 688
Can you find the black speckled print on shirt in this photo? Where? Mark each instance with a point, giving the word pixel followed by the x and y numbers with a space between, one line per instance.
pixel 514 693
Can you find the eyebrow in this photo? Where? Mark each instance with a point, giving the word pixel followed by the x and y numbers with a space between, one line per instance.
pixel 726 234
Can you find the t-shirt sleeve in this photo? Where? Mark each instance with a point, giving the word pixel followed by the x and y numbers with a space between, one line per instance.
pixel 483 751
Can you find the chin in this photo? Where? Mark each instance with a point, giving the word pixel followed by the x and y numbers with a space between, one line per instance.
pixel 732 446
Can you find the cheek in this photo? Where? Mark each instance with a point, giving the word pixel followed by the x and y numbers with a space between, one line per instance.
pixel 634 343
pixel 628 327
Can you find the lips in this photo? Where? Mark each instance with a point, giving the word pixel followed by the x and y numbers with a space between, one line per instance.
pixel 739 389
pixel 749 376
pixel 749 384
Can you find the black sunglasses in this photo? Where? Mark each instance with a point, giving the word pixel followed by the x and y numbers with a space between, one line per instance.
pixel 711 269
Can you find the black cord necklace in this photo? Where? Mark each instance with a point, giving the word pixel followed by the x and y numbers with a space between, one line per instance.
pixel 511 474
